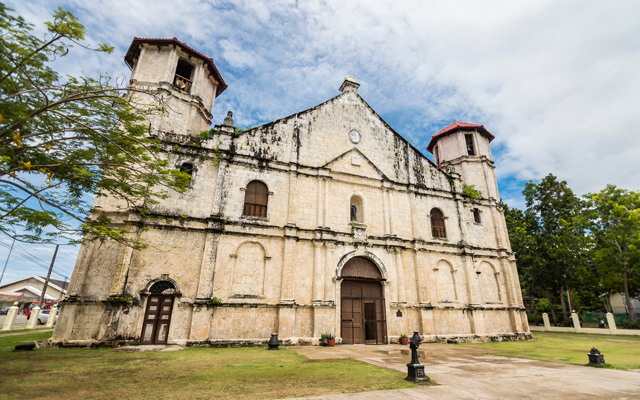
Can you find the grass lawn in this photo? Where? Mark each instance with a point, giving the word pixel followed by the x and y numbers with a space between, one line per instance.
pixel 194 373
pixel 620 352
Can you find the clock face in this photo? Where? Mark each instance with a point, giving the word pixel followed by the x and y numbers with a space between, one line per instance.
pixel 354 136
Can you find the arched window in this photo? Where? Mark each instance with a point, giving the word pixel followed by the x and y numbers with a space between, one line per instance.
pixel 356 209
pixel 437 224
pixel 255 200
pixel 162 287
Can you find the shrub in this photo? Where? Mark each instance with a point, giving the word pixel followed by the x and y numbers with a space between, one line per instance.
pixel 471 192
pixel 328 336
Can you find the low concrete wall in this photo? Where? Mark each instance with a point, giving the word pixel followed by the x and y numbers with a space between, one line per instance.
pixel 611 330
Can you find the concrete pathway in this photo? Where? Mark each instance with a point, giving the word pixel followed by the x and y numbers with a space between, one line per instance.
pixel 20 322
pixel 25 332
pixel 467 373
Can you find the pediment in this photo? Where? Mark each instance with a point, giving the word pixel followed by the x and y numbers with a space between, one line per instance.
pixel 354 162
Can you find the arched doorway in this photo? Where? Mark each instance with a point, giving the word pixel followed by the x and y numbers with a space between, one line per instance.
pixel 157 317
pixel 363 309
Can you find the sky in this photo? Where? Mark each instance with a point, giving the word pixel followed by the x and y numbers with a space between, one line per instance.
pixel 556 82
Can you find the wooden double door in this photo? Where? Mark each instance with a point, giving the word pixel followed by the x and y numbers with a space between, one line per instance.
pixel 157 319
pixel 363 313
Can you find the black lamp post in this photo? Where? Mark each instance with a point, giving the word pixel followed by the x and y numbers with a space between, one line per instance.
pixel 415 370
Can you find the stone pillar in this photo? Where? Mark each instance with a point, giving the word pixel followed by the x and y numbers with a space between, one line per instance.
pixel 317 274
pixel 428 325
pixel 328 274
pixel 216 207
pixel 291 204
pixel 207 267
pixel 393 283
pixel 122 270
pixel 402 299
pixel 545 319
pixel 613 329
pixel 52 317
pixel 79 274
pixel 326 203
pixel 420 295
pixel 510 288
pixel 319 203
pixel 33 319
pixel 392 220
pixel 11 317
pixel 172 62
pixel 576 322
pixel 384 211
pixel 288 273
pixel 286 322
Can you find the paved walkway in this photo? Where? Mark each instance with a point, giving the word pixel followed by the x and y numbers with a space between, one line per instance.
pixel 20 322
pixel 25 332
pixel 467 373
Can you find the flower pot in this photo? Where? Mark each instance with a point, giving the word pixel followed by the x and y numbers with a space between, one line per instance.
pixel 404 341
pixel 331 342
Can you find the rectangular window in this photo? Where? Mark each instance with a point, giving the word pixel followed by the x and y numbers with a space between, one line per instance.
pixel 470 149
pixel 476 216
pixel 436 157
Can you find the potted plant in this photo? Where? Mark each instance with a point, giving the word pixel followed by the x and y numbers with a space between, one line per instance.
pixel 329 339
pixel 323 339
pixel 404 340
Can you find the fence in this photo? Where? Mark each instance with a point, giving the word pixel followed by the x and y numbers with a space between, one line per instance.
pixel 611 329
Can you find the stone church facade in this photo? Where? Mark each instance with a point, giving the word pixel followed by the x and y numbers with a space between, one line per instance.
pixel 325 221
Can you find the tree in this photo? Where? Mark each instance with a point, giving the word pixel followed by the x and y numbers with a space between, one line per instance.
pixel 614 216
pixel 556 235
pixel 62 138
pixel 520 226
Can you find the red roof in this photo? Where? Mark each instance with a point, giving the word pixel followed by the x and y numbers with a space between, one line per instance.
pixel 134 49
pixel 459 126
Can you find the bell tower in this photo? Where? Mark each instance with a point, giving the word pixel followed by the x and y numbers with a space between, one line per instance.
pixel 188 81
pixel 465 148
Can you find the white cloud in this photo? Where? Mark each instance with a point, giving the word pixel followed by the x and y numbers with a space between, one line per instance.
pixel 555 81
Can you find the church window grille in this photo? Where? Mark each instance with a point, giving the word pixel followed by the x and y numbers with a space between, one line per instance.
pixel 256 198
pixel 437 224
pixel 162 287
pixel 469 141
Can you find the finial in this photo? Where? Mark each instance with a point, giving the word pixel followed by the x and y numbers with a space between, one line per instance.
pixel 349 84
pixel 228 120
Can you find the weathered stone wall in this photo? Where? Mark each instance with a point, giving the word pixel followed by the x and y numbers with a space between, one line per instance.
pixel 280 274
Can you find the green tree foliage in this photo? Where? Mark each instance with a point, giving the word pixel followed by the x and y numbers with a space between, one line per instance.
pixel 62 138
pixel 554 241
pixel 614 222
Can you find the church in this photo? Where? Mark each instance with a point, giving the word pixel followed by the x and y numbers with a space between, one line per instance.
pixel 324 221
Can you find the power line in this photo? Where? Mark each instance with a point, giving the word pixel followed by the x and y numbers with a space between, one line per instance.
pixel 34 260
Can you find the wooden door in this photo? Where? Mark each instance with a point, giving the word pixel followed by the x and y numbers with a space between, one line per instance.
pixel 157 319
pixel 363 313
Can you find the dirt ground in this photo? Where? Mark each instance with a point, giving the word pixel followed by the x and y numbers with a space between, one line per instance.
pixel 467 373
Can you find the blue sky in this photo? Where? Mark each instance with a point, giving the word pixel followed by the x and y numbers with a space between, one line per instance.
pixel 556 82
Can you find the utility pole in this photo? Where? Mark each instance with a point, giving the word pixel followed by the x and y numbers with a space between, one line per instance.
pixel 6 262
pixel 46 283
